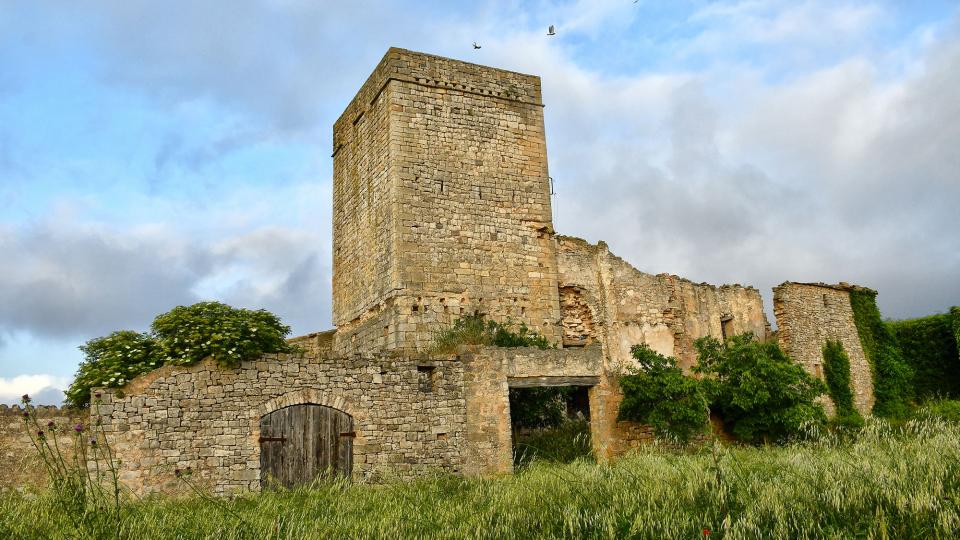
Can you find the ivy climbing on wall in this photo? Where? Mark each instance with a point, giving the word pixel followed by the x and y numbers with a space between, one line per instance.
pixel 836 371
pixel 929 346
pixel 955 313
pixel 892 377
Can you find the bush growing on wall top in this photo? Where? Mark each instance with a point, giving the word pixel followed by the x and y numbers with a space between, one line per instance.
pixel 477 330
pixel 187 334
pixel 182 336
pixel 111 361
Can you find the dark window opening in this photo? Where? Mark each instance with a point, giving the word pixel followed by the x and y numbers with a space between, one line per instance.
pixel 426 378
pixel 726 327
pixel 550 423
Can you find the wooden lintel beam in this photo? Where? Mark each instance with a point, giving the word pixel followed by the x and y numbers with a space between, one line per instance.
pixel 531 382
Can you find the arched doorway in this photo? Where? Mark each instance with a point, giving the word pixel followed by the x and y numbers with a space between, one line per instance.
pixel 301 443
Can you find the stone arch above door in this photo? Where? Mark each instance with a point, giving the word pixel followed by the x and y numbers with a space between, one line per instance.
pixel 302 397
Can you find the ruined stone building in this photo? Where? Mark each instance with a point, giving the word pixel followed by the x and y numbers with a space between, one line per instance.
pixel 442 208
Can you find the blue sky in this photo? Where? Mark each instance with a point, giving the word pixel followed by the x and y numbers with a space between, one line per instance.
pixel 155 154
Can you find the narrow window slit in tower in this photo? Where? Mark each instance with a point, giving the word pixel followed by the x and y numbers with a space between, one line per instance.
pixel 426 377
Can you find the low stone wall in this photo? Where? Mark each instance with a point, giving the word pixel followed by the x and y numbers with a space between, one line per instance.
pixel 207 417
pixel 21 466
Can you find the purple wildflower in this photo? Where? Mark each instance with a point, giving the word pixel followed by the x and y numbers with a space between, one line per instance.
pixel 78 428
pixel 93 442
pixel 25 399
pixel 50 424
pixel 40 434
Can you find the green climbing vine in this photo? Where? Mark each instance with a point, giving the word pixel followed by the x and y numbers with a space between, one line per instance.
pixel 836 371
pixel 892 377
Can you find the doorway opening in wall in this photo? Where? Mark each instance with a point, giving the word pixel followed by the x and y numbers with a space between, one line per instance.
pixel 550 423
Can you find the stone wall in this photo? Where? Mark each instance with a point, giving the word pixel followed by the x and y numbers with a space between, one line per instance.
pixel 316 343
pixel 606 298
pixel 207 417
pixel 809 314
pixel 451 215
pixel 19 461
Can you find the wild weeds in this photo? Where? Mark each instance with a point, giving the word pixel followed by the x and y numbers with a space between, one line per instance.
pixel 84 477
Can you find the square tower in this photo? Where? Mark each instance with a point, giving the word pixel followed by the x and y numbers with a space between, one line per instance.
pixel 441 204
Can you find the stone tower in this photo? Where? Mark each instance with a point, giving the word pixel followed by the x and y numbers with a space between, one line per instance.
pixel 441 203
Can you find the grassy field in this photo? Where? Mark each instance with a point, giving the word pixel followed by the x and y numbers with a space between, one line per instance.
pixel 888 483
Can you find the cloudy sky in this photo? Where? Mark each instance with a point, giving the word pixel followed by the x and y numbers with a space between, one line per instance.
pixel 159 153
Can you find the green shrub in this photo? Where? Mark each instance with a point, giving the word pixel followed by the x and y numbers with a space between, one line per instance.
pixel 944 409
pixel 188 334
pixel 110 362
pixel 760 393
pixel 836 371
pixel 955 315
pixel 543 407
pixel 892 377
pixel 929 346
pixel 660 395
pixel 477 331
pixel 182 336
pixel 848 422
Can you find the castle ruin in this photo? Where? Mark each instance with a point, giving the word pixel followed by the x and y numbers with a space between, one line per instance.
pixel 442 208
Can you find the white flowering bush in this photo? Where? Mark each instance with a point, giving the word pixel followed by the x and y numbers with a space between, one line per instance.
pixel 182 336
pixel 112 361
pixel 187 334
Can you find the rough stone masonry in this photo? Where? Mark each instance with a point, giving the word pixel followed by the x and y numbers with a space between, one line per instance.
pixel 441 201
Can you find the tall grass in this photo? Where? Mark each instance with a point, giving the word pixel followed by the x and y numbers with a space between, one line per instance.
pixel 888 482
pixel 564 443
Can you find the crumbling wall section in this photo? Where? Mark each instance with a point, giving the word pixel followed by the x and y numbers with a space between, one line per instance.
pixel 627 307
pixel 809 314
pixel 207 417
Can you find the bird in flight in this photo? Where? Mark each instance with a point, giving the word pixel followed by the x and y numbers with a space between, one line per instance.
pixel 551 31
pixel 475 46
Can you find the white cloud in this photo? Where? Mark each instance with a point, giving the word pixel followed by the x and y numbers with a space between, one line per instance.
pixel 42 388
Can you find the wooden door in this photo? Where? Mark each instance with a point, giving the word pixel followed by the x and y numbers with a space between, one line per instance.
pixel 301 443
